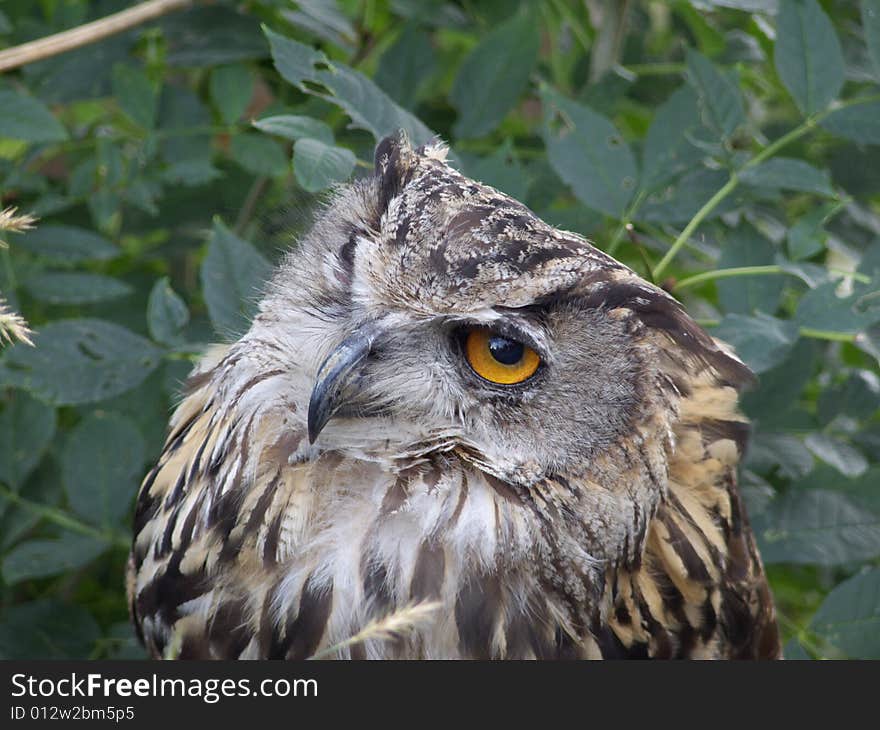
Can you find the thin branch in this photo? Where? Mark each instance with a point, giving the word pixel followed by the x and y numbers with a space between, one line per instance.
pixel 733 182
pixel 625 222
pixel 694 223
pixel 770 269
pixel 250 203
pixel 828 335
pixel 809 332
pixel 62 519
pixel 83 35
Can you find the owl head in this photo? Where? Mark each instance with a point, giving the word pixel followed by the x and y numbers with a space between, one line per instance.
pixel 429 312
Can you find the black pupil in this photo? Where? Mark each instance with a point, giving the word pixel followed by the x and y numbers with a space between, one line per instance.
pixel 507 352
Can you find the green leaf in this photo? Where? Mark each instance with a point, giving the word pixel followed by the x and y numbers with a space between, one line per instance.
pixel 768 451
pixel 182 116
pixel 43 486
pixel 719 97
pixel 811 274
pixel 101 464
pixel 745 246
pixel 501 170
pixel 167 314
pixel 149 404
pixel 407 64
pixel 231 89
pixel 779 389
pixel 817 526
pixel 500 65
pixel 180 112
pixel 795 651
pixel 26 430
pixel 122 643
pixel 369 107
pixel 763 342
pixel 324 19
pixel 43 558
pixel 861 490
pixel 62 287
pixel 191 173
pixel 669 150
pixel 80 361
pixel 858 122
pixel 233 273
pixel 871 26
pixel 807 237
pixel 210 36
pixel 136 95
pixel 808 56
pixel 822 309
pixel 849 618
pixel 857 397
pixel 869 342
pixel 317 166
pixel 28 119
pixel 142 194
pixel 66 243
pixel 588 153
pixel 258 154
pixel 788 174
pixel 104 205
pixel 47 629
pixel 848 460
pixel 710 39
pixel 295 127
pixel 870 261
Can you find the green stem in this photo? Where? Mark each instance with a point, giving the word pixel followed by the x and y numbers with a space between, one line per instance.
pixel 774 147
pixel 694 223
pixel 827 335
pixel 250 203
pixel 726 274
pixel 655 69
pixel 575 26
pixel 624 222
pixel 62 519
pixel 804 332
pixel 806 126
pixel 557 68
pixel 755 271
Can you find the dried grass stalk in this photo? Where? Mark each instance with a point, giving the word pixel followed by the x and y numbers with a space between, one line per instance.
pixel 13 326
pixel 391 626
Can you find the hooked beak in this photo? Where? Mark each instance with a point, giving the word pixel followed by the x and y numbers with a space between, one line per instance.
pixel 335 373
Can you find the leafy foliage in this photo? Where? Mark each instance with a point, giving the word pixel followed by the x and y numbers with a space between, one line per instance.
pixel 726 150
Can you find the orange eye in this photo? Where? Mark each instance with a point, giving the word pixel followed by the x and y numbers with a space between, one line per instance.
pixel 499 359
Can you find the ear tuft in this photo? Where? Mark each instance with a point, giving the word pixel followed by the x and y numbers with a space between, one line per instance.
pixel 394 160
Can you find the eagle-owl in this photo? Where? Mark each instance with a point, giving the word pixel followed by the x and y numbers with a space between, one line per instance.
pixel 445 400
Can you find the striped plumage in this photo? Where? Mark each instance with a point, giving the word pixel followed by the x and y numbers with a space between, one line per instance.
pixel 591 513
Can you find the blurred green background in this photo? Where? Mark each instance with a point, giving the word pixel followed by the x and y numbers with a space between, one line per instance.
pixel 728 150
